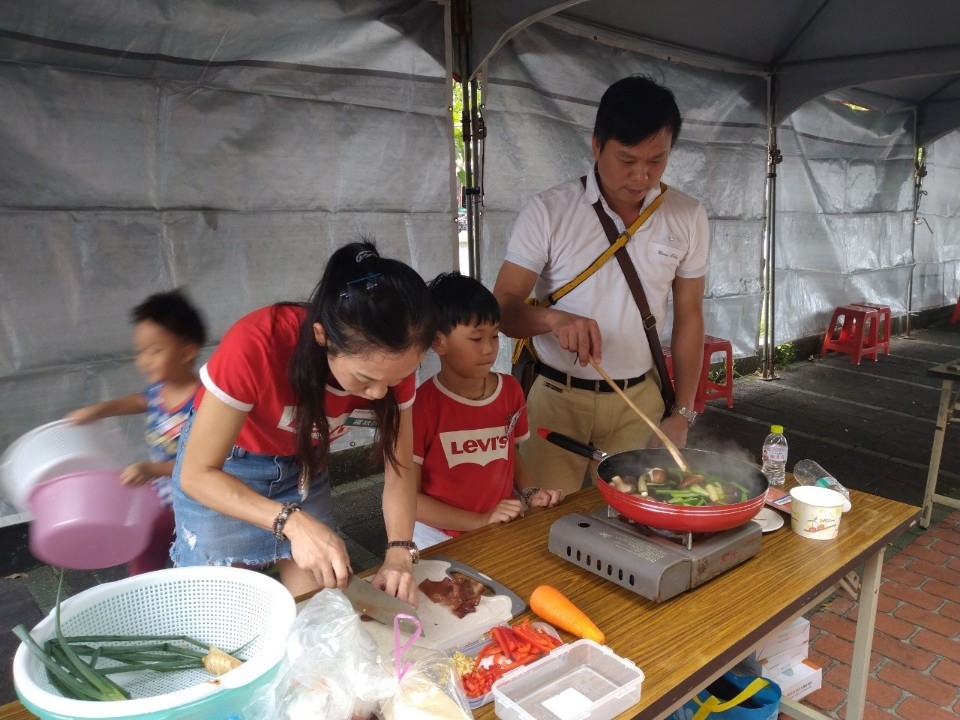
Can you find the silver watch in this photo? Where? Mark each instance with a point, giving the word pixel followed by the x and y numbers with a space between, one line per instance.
pixel 409 545
pixel 689 415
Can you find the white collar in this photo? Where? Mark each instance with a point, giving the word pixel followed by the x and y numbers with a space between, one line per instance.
pixel 592 192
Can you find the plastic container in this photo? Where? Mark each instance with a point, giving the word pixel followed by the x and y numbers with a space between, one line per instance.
pixel 476 646
pixel 809 472
pixel 90 521
pixel 224 606
pixel 60 448
pixel 580 681
pixel 775 456
pixel 815 512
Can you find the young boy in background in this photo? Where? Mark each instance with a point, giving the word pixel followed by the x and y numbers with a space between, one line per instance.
pixel 467 421
pixel 168 334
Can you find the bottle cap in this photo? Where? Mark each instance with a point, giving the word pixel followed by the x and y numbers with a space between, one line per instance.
pixel 776 429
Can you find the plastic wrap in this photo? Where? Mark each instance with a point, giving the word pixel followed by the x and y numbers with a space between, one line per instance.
pixel 332 668
pixel 427 688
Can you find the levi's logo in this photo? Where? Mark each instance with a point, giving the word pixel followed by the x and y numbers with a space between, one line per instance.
pixel 481 446
pixel 288 422
pixel 362 418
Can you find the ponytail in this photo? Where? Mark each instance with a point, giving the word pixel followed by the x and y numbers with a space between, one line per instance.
pixel 363 302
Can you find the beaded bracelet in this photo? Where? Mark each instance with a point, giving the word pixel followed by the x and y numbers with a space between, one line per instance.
pixel 528 492
pixel 281 519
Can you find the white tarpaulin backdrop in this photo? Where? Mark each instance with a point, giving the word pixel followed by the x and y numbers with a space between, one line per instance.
pixel 844 214
pixel 207 147
pixel 228 148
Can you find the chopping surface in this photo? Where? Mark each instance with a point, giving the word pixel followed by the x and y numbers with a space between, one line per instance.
pixel 441 628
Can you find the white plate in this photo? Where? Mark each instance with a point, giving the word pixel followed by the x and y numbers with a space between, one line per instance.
pixel 768 520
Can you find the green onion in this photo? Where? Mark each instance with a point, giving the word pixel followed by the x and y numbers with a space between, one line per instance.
pixel 75 664
pixel 108 689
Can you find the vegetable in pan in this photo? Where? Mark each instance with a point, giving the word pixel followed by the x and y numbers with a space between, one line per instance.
pixel 674 487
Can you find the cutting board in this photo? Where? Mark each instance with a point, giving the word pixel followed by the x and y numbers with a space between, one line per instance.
pixel 442 630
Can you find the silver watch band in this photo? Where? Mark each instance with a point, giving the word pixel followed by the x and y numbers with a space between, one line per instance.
pixel 686 413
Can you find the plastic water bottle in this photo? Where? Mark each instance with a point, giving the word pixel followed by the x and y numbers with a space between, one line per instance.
pixel 808 472
pixel 775 456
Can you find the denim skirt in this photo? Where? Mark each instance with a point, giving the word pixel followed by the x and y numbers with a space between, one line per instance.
pixel 206 537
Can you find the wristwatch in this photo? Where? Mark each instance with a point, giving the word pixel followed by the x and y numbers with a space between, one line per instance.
pixel 410 545
pixel 689 415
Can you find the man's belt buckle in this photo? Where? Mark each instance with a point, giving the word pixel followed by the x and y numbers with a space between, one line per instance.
pixel 603 386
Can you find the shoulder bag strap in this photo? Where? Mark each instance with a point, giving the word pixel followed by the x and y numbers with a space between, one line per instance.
pixel 636 289
pixel 615 244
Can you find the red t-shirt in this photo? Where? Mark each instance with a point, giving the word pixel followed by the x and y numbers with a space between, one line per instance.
pixel 466 448
pixel 248 371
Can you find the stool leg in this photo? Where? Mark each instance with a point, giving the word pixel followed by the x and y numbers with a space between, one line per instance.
pixel 855 339
pixel 729 370
pixel 832 329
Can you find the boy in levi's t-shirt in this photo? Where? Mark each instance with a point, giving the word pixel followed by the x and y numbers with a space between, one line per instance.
pixel 467 421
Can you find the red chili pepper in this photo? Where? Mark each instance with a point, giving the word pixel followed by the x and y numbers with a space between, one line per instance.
pixel 478 681
pixel 491 648
pixel 500 636
pixel 537 639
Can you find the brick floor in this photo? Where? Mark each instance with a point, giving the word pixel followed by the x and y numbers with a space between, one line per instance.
pixel 915 664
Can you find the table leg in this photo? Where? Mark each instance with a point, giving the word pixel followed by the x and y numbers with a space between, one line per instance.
pixel 863 639
pixel 943 415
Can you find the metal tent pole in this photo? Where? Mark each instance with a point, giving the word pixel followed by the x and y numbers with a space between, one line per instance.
pixel 473 131
pixel 919 172
pixel 774 158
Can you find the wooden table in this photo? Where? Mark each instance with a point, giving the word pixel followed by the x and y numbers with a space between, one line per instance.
pixel 949 373
pixel 684 643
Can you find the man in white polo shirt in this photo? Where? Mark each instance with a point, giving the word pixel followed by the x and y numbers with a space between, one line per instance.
pixel 556 236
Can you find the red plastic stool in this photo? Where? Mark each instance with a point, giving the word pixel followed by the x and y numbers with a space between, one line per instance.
pixel 956 313
pixel 852 330
pixel 707 389
pixel 883 329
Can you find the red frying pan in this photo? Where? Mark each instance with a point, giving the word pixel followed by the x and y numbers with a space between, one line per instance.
pixel 680 518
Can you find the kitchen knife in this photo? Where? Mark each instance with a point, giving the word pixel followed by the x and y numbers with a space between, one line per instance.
pixel 367 599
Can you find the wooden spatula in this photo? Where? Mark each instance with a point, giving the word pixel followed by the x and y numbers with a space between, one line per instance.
pixel 667 442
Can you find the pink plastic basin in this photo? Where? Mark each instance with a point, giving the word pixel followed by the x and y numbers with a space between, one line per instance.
pixel 89 521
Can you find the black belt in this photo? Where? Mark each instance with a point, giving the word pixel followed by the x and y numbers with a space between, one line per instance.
pixel 583 384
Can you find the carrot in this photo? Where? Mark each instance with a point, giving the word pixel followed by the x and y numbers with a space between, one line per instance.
pixel 554 607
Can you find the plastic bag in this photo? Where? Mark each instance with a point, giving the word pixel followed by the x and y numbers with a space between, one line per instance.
pixel 331 669
pixel 428 688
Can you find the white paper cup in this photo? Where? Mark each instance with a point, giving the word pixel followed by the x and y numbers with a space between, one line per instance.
pixel 815 512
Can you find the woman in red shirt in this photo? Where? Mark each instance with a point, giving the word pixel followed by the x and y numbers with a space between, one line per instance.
pixel 284 382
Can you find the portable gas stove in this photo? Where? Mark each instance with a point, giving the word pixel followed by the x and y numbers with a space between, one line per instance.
pixel 657 564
